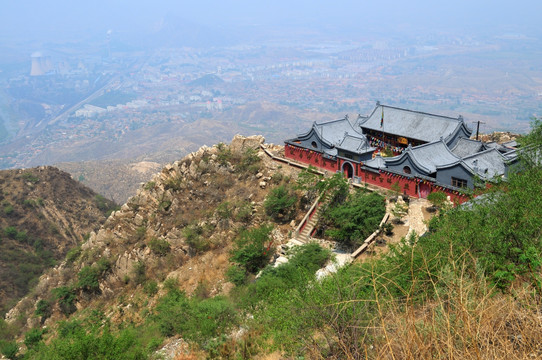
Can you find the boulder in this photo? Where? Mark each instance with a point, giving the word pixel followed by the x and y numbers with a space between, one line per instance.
pixel 240 143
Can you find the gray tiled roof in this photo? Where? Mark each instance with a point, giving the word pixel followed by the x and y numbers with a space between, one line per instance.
pixel 411 124
pixel 376 163
pixel 511 155
pixel 494 145
pixel 331 152
pixel 466 147
pixel 334 131
pixel 487 163
pixel 355 144
pixel 429 156
pixel 512 144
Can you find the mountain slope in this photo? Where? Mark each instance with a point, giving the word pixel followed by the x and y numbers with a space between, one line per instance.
pixel 44 213
pixel 180 225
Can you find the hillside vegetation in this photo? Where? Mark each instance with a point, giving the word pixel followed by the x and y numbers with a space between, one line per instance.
pixel 180 272
pixel 43 213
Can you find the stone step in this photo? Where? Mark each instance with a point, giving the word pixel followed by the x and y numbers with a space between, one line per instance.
pixel 281 260
pixel 295 242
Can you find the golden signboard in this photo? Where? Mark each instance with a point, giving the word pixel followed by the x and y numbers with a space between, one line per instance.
pixel 402 140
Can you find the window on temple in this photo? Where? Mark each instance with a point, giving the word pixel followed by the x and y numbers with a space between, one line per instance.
pixel 460 183
pixel 314 144
pixel 407 170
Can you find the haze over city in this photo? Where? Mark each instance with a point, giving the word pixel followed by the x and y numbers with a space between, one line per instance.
pixel 109 80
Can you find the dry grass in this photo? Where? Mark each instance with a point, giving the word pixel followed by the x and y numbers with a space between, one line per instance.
pixel 465 319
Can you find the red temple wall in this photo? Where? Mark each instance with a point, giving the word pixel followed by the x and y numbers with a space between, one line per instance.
pixel 382 179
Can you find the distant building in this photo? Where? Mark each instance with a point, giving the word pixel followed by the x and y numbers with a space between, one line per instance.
pixel 89 111
pixel 41 64
pixel 431 152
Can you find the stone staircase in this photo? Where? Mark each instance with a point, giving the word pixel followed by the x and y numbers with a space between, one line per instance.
pixel 303 236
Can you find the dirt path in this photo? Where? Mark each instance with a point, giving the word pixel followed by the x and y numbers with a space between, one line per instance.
pixel 417 216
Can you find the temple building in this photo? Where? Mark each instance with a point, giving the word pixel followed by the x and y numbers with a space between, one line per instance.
pixel 426 152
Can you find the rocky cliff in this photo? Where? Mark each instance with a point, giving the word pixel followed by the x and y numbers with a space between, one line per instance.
pixel 179 225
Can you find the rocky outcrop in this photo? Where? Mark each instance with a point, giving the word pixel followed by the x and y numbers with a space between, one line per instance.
pixel 241 143
pixel 177 209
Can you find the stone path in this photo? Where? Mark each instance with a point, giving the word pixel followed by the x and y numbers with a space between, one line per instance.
pixel 415 216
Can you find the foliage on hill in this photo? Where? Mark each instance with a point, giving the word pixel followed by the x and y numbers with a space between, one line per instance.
pixel 467 289
pixel 44 214
pixel 350 222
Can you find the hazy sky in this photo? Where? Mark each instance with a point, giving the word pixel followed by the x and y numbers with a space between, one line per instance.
pixel 55 20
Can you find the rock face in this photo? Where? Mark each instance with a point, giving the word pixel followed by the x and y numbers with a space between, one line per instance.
pixel 183 219
pixel 241 143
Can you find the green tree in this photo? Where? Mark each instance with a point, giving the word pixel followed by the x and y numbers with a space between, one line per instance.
pixel 88 279
pixel 531 146
pixel 43 309
pixel 280 204
pixel 9 350
pixel 252 248
pixel 351 222
pixel 335 188
pixel 66 299
pixel 33 338
pixel 159 247
pixel 437 199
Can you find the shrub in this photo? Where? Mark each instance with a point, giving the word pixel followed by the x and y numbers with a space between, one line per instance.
pixel 236 275
pixel 243 212
pixel 91 342
pixel 159 247
pixel 9 350
pixel 8 208
pixel 224 154
pixel 224 210
pixel 139 272
pixel 174 184
pixel 29 203
pixel 102 266
pixel 43 309
pixel 140 233
pixel 351 222
pixel 33 338
pixel 66 299
pixel 249 162
pixel 280 204
pixel 150 185
pixel 194 319
pixel 101 202
pixel 276 282
pixel 151 288
pixel 73 254
pixel 21 236
pixel 252 249
pixel 88 279
pixel 437 199
pixel 164 205
pixel 30 177
pixel 194 239
pixel 11 232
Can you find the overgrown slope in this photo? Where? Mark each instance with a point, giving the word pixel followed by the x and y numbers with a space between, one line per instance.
pixel 43 214
pixel 180 227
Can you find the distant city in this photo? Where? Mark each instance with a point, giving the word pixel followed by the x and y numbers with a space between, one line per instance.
pixel 61 98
